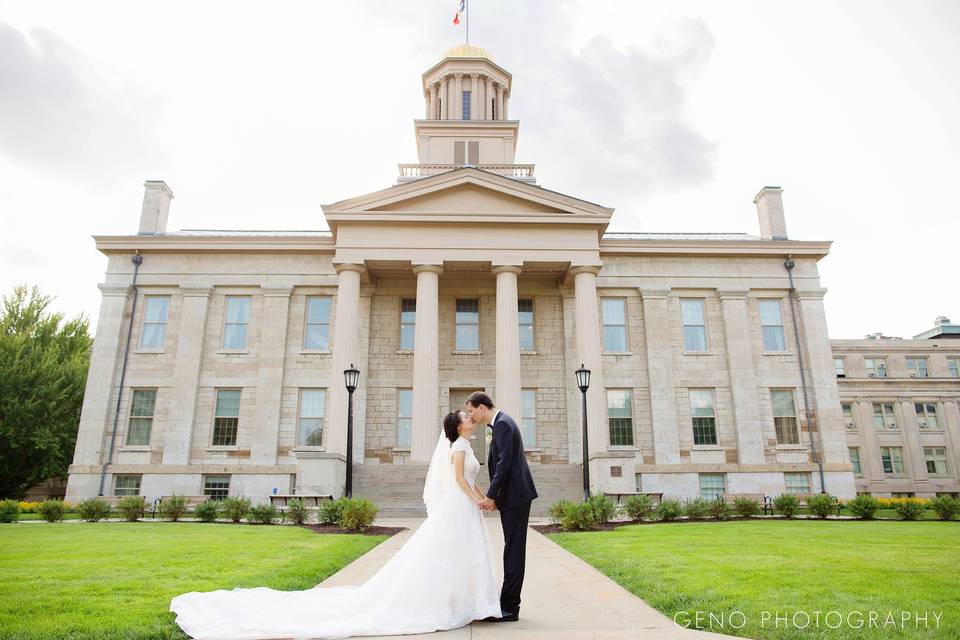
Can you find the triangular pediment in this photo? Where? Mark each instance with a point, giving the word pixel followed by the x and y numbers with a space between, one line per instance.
pixel 467 193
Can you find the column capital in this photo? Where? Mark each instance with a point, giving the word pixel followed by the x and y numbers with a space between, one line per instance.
pixel 474 75
pixel 282 291
pixel 506 267
pixel 458 76
pixel 653 292
pixel 427 267
pixel 196 291
pixel 725 292
pixel 341 266
pixel 584 268
pixel 115 290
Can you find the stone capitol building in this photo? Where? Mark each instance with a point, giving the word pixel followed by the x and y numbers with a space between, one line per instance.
pixel 217 366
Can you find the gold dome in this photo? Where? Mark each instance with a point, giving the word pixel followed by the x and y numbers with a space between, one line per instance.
pixel 468 51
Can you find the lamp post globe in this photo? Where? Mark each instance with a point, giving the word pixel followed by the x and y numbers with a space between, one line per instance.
pixel 351 377
pixel 583 382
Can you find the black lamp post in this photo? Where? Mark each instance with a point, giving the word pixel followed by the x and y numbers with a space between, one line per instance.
pixel 351 376
pixel 583 381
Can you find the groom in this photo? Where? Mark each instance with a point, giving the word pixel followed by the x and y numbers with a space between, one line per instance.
pixel 511 491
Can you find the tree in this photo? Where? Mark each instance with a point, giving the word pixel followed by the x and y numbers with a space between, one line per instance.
pixel 43 371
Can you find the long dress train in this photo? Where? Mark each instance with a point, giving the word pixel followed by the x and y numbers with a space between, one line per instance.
pixel 441 578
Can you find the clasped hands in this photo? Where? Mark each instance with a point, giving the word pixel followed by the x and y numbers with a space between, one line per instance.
pixel 487 504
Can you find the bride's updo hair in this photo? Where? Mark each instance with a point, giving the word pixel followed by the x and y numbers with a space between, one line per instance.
pixel 450 423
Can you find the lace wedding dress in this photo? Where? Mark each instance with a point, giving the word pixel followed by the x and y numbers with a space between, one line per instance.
pixel 441 578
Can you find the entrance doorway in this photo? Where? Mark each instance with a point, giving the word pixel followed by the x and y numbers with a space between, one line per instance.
pixel 478 439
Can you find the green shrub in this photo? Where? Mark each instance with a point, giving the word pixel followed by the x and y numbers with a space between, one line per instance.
pixel 330 510
pixel 207 511
pixel 174 507
pixel 669 510
pixel 946 507
pixel 235 508
pixel 864 506
pixel 357 514
pixel 787 504
pixel 94 509
pixel 718 509
pixel 695 508
pixel 820 505
pixel 263 513
pixel 131 507
pixel 638 507
pixel 557 509
pixel 52 510
pixel 909 509
pixel 746 507
pixel 298 511
pixel 9 511
pixel 604 509
pixel 578 516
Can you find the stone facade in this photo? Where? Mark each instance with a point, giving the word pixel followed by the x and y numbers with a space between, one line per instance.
pixel 488 234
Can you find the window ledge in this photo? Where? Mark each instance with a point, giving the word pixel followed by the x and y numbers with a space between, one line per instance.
pixel 401 449
pixel 149 350
pixel 622 447
pixel 778 353
pixel 458 352
pixel 616 353
pixel 404 352
pixel 791 447
pixel 699 353
pixel 706 447
pixel 233 351
pixel 135 447
pixel 532 449
pixel 223 447
pixel 530 353
pixel 295 449
pixel 929 430
pixel 315 351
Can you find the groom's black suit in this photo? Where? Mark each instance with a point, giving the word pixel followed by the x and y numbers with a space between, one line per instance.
pixel 511 488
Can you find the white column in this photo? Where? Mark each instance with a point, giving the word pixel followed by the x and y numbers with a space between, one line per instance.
pixel 194 304
pixel 457 103
pixel 588 353
pixel 425 425
pixel 663 396
pixel 474 96
pixel 345 340
pixel 748 422
pixel 273 348
pixel 500 102
pixel 488 99
pixel 432 114
pixel 444 98
pixel 508 340
pixel 506 106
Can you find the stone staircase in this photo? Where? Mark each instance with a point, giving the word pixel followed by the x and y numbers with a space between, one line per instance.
pixel 398 489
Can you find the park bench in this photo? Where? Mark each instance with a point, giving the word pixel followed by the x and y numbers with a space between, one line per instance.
pixel 281 501
pixel 655 497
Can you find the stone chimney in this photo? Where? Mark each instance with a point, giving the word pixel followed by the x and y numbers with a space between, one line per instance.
pixel 773 225
pixel 156 205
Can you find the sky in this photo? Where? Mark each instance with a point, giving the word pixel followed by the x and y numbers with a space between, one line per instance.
pixel 673 113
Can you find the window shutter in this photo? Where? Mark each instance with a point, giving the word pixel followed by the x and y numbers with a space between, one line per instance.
pixel 458 152
pixel 474 152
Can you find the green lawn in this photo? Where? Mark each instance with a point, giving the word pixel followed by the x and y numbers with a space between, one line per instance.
pixel 788 567
pixel 116 579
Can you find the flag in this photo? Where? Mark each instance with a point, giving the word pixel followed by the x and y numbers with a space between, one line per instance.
pixel 456 16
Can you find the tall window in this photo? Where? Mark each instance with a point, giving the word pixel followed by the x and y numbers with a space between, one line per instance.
pixel 855 460
pixel 917 367
pixel 936 459
pixel 620 416
pixel 614 324
pixel 528 398
pixel 313 405
pixel 235 322
pixel 694 326
pixel 408 324
pixel 216 487
pixel 525 313
pixel 127 484
pixel 317 335
pixel 772 323
pixel 953 365
pixel 848 420
pixel 797 482
pixel 466 105
pixel 892 459
pixel 785 416
pixel 926 415
pixel 712 485
pixel 154 331
pixel 141 416
pixel 703 416
pixel 404 417
pixel 883 417
pixel 226 417
pixel 468 325
pixel 839 368
pixel 876 367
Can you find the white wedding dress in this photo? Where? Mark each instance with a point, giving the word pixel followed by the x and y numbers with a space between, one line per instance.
pixel 441 578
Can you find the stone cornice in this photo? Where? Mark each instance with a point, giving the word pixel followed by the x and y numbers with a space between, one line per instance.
pixel 173 244
pixel 119 290
pixel 196 291
pixel 653 292
pixel 780 248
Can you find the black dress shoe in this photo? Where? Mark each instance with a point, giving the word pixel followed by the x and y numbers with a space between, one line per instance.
pixel 505 616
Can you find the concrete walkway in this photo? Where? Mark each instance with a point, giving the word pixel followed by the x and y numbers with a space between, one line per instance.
pixel 564 598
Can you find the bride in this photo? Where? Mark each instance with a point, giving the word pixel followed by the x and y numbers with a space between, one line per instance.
pixel 441 578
